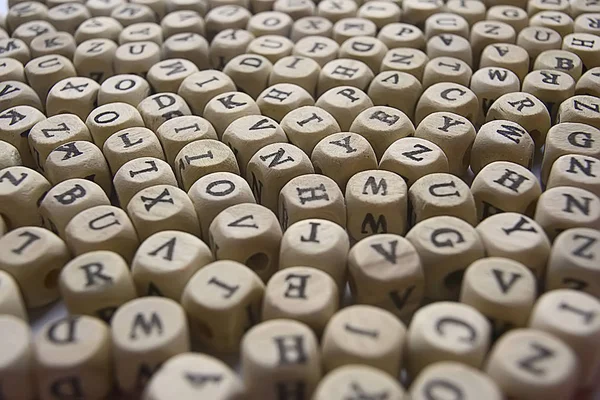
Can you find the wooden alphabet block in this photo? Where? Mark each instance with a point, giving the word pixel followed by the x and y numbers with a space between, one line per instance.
pixel 270 23
pixel 141 173
pixel 579 7
pixel 366 335
pixel 297 70
pixel 307 126
pixel 529 362
pixel 490 83
pixel 199 88
pixel 200 6
pixel 11 299
pixel 433 336
pixel 347 28
pixel 580 108
pixel 15 48
pixel 19 14
pixel 142 31
pixel 247 233
pixel 558 21
pixel 450 45
pixel 136 57
pixel 446 69
pixel 564 207
pixel 334 10
pixel 182 21
pixel 179 375
pixel 577 171
pixel 98 27
pixel 358 380
pixel 15 123
pixel 94 59
pixel 12 70
pixel 61 43
pixel 189 46
pixel 45 71
pixel 311 26
pixel 9 155
pixel 502 140
pixel 102 228
pixel 34 257
pixel 227 16
pixel 161 107
pixel 397 89
pixel 506 55
pixel 72 95
pixel 456 378
pixel 584 23
pixel 165 262
pixel 281 358
pixel 559 60
pixel 295 9
pixel 226 107
pixel 321 49
pixel 228 44
pixel 416 12
pixel 177 132
pixel 471 10
pixel 68 16
pixel 112 118
pixel 486 33
pixel 96 284
pixel 551 87
pixel 441 194
pixel 132 13
pixel 146 332
pixel 123 88
pixel 586 46
pixel 250 73
pixel 512 15
pixel 344 103
pixel 573 261
pixel 449 97
pixel 272 47
pixel 517 237
pixel 369 50
pixel 131 143
pixel 536 6
pixel 167 75
pixel 405 59
pixel 73 357
pixel 26 32
pixel 398 34
pixel 444 23
pixel 17 360
pixel 278 100
pixel 21 191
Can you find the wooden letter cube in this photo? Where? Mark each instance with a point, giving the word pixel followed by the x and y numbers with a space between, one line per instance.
pixel 15 123
pixel 358 380
pixel 226 107
pixel 11 300
pixel 344 103
pixel 123 88
pixel 177 132
pixel 141 173
pixel 307 126
pixel 21 191
pixel 161 107
pixel 129 144
pixel 577 171
pixel 75 95
pixel 16 360
pixel 112 118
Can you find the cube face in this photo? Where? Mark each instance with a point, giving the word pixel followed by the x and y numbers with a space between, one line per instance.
pixel 344 103
pixel 123 88
pixel 576 171
pixel 358 380
pixel 128 144
pixel 279 99
pixel 21 190
pixel 141 173
pixel 11 300
pixel 307 126
pixel 17 359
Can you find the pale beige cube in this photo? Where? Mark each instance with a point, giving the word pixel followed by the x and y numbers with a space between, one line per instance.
pixel 112 118
pixel 413 158
pixel 516 237
pixel 573 261
pixel 272 47
pixel 344 72
pixel 200 6
pixel 536 6
pixel 67 199
pixel 226 107
pixel 12 70
pixel 228 44
pixel 27 11
pixel 581 108
pixel 278 100
pixel 416 12
pixel 512 15
pixel 182 21
pixel 311 26
pixel 73 358
pixel 586 46
pixel 396 89
pixel 179 375
pixel 506 55
pixel 577 171
pixel 94 59
pixel 11 299
pixel 335 10
pixel 585 23
pixel 446 246
pixel 453 133
pixel 98 27
pixel 588 83
pixel 123 88
pixel 199 88
pixel 366 49
pixel 446 69
pixel 215 192
pixel 247 233
pixel 17 360
pixel 280 358
pixel 129 13
pixel 34 257
pixel 45 71
pixel 454 378
pixel 381 13
pixel 321 49
pixel 504 186
pixel 146 332
pixel 177 132
pixel 358 380
pixel 131 143
pixel 249 72
pixel 551 87
pixel 446 23
pixel 295 8
pixel 167 75
pixel 404 35
pixel 376 202
pixel 503 290
pixel 165 262
pixel 502 140
pixel 344 103
pixel 61 43
pixel 68 16
pixel 375 278
pixel 102 7
pixel 102 228
pixel 564 207
pixel 270 23
pixel 21 190
pixel 190 46
pixel 306 126
pixel 96 284
pixel 558 21
pixel 405 59
pixel 15 123
pixel 79 159
pixel 142 31
pixel 579 7
pixel 297 70
pixel 366 335
pixel 161 107
pixel 486 33
pixel 9 155
pixel 141 173
pixel 347 28
pixel 158 7
pixel 441 194
pixel 560 60
pixel 136 57
pixel 490 83
pixel 528 363
pixel 15 48
pixel 450 97
pixel 433 336
pixel 471 10
pixel 15 93
pixel 229 16
pixel 450 45
pixel 26 32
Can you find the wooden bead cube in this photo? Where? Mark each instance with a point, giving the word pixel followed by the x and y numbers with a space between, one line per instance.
pixel 335 10
pixel 446 246
pixel 579 7
pixel 136 57
pixel 504 186
pixel 490 83
pixel 517 237
pixel 441 194
pixel 358 380
pixel 179 375
pixel 506 55
pixel 536 6
pixel 375 279
pixel 405 59
pixel 26 32
pixel 250 73
pixel 446 69
pixel 146 332
pixel 199 88
pixel 15 93
pixel 272 47
pixel 588 83
pixel 485 33
pixel 228 44
pixel 129 144
pixel 270 23
pixel 577 171
pixel 165 262
pixel 316 243
pixel 189 46
pixel 456 379
pixel 565 207
pixel 551 87
pixel 560 22
pixel 15 48
pixel 61 43
pixel 321 49
pixel 586 46
pixel 280 358
pixel 12 70
pixel 21 191
pixel 177 132
pixel 450 97
pixel 123 88
pixel 34 257
pixel 366 335
pixel 298 70
pixel 45 71
pixel 167 75
pixel 9 156
pixel 161 107
pixel 446 23
pixel 54 131
pixel 228 16
pixel 27 11
pixel 559 60
pixel 278 100
pixel 215 192
pixel 514 16
pixel 450 45
pixel 529 362
pixel 416 12
pixel 306 126
pixel 573 260
pixel 131 13
pixel 98 27
pixel 72 95
pixel 369 50
pixel 311 26
pixel 396 89
pixel 73 357
pixel 11 299
pixel 182 21
pixel 17 359
pixel 404 35
pixel 580 108
pixel 471 10
pixel 94 59
pixel 68 16
pixel 96 284
pixel 571 316
pixel 102 228
pixel 344 103
pixel 347 28
pixel 226 107
pixel 15 123
pixel 67 199
pixel 111 118
pixel 502 140
pixel 141 173
pixel 433 336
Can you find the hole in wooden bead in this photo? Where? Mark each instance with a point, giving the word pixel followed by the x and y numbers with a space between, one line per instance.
pixel 258 262
pixel 52 279
pixel 453 281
